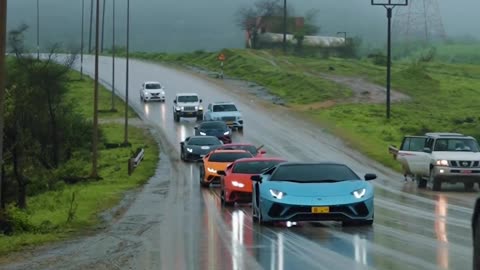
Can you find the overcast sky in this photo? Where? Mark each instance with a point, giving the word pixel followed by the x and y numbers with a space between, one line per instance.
pixel 186 25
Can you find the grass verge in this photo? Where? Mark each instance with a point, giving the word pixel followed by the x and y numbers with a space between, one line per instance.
pixel 45 220
pixel 444 96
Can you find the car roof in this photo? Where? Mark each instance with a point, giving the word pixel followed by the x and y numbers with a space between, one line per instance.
pixel 186 94
pixel 198 137
pixel 151 82
pixel 229 151
pixel 237 144
pixel 447 135
pixel 222 103
pixel 260 159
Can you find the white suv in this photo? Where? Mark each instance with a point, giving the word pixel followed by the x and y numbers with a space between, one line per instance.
pixel 440 157
pixel 152 91
pixel 187 105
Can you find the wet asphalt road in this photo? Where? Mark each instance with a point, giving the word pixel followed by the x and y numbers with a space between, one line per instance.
pixel 174 224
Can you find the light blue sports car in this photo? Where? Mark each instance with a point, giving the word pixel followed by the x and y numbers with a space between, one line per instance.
pixel 312 192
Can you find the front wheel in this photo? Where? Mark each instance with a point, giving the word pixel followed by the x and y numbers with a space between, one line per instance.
pixel 224 201
pixel 468 186
pixel 421 183
pixel 437 183
pixel 176 117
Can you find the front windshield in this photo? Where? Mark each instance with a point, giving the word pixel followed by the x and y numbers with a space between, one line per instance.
pixel 254 167
pixel 224 108
pixel 250 148
pixel 228 157
pixel 204 141
pixel 456 145
pixel 153 86
pixel 214 125
pixel 314 173
pixel 186 99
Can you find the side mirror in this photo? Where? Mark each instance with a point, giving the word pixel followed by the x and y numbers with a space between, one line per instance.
pixel 221 173
pixel 195 128
pixel 370 176
pixel 256 178
pixel 201 100
pixel 263 152
pixel 182 143
pixel 427 150
pixel 175 101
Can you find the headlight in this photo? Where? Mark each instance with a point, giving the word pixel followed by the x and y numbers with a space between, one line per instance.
pixel 200 108
pixel 146 93
pixel 190 150
pixel 212 170
pixel 203 133
pixel 359 193
pixel 277 194
pixel 226 133
pixel 196 108
pixel 178 108
pixel 238 184
pixel 442 162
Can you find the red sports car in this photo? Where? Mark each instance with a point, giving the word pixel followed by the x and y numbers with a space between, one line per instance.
pixel 256 151
pixel 236 185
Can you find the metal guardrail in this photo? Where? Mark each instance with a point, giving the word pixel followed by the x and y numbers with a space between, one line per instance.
pixel 392 149
pixel 135 160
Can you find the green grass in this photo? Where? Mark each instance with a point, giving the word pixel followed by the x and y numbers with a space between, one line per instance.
pixel 46 216
pixel 444 96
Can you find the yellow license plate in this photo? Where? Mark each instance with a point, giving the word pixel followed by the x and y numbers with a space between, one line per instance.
pixel 321 210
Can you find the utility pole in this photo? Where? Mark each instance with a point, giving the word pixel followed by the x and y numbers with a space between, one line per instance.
pixel 95 98
pixel 284 26
pixel 81 43
pixel 125 142
pixel 389 7
pixel 91 23
pixel 113 56
pixel 103 25
pixel 3 70
pixel 38 29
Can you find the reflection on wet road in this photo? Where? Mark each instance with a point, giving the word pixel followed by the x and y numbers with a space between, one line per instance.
pixel 413 229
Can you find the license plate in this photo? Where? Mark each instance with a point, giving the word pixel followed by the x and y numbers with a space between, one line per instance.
pixel 321 210
pixel 467 172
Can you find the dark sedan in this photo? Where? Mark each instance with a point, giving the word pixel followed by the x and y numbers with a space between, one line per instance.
pixel 476 236
pixel 218 129
pixel 196 147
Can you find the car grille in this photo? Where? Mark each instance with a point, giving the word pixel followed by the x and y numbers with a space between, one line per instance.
pixel 354 210
pixel 189 108
pixel 464 163
pixel 229 118
pixel 155 94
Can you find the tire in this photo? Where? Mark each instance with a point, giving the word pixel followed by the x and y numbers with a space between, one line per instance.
pixel 182 155
pixel 240 129
pixel 224 202
pixel 469 186
pixel 260 218
pixel 202 176
pixel 199 117
pixel 437 183
pixel 176 117
pixel 421 182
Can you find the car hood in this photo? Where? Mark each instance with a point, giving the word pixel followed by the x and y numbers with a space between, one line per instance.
pixel 219 166
pixel 456 155
pixel 184 104
pixel 154 91
pixel 317 189
pixel 222 114
pixel 202 148
pixel 213 132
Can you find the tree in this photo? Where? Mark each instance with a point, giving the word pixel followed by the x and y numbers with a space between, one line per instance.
pixel 38 128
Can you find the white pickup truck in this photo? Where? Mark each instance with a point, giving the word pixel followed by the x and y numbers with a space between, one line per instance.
pixel 439 158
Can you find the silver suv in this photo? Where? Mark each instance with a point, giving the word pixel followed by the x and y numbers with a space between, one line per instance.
pixel 187 105
pixel 439 158
pixel 227 112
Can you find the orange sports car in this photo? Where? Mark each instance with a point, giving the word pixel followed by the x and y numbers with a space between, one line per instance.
pixel 218 160
pixel 236 185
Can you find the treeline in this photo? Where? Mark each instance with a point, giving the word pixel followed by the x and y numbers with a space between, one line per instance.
pixel 46 143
